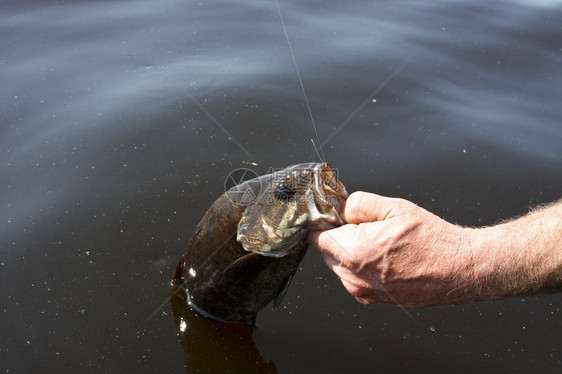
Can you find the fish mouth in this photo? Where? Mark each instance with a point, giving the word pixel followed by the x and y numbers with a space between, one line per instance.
pixel 328 196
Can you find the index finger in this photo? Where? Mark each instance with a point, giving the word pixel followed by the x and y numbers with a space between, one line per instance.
pixel 335 243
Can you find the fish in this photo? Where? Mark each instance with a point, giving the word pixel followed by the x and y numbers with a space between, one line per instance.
pixel 248 245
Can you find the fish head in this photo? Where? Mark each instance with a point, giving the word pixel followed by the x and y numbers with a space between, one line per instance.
pixel 293 200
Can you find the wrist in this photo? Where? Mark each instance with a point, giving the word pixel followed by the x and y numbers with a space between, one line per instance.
pixel 476 276
pixel 489 263
pixel 517 257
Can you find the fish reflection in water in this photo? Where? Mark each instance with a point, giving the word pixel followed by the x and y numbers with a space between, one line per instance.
pixel 250 242
pixel 229 345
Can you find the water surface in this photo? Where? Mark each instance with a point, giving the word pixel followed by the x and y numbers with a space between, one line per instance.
pixel 109 157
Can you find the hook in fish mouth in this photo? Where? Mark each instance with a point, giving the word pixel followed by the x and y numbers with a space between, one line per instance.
pixel 329 195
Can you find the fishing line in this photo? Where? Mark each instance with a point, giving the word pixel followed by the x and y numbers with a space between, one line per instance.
pixel 321 144
pixel 316 149
pixel 323 158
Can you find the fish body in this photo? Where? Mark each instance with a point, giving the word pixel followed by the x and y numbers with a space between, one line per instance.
pixel 250 242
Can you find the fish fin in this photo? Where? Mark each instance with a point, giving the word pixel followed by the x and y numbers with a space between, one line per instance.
pixel 282 292
pixel 248 264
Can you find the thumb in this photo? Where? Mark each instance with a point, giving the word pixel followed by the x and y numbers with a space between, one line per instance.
pixel 368 207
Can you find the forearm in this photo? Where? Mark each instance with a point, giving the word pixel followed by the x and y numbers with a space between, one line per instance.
pixel 520 256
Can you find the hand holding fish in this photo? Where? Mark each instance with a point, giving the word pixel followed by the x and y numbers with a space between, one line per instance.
pixel 394 252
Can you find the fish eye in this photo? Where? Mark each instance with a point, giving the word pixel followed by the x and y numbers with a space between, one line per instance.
pixel 284 193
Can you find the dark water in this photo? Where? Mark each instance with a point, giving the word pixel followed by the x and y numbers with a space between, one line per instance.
pixel 107 163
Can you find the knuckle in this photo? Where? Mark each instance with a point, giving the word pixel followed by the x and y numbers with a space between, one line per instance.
pixel 357 196
pixel 354 200
pixel 363 300
pixel 357 289
pixel 353 290
pixel 403 204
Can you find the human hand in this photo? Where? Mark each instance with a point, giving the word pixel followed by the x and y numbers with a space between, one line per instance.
pixel 394 252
